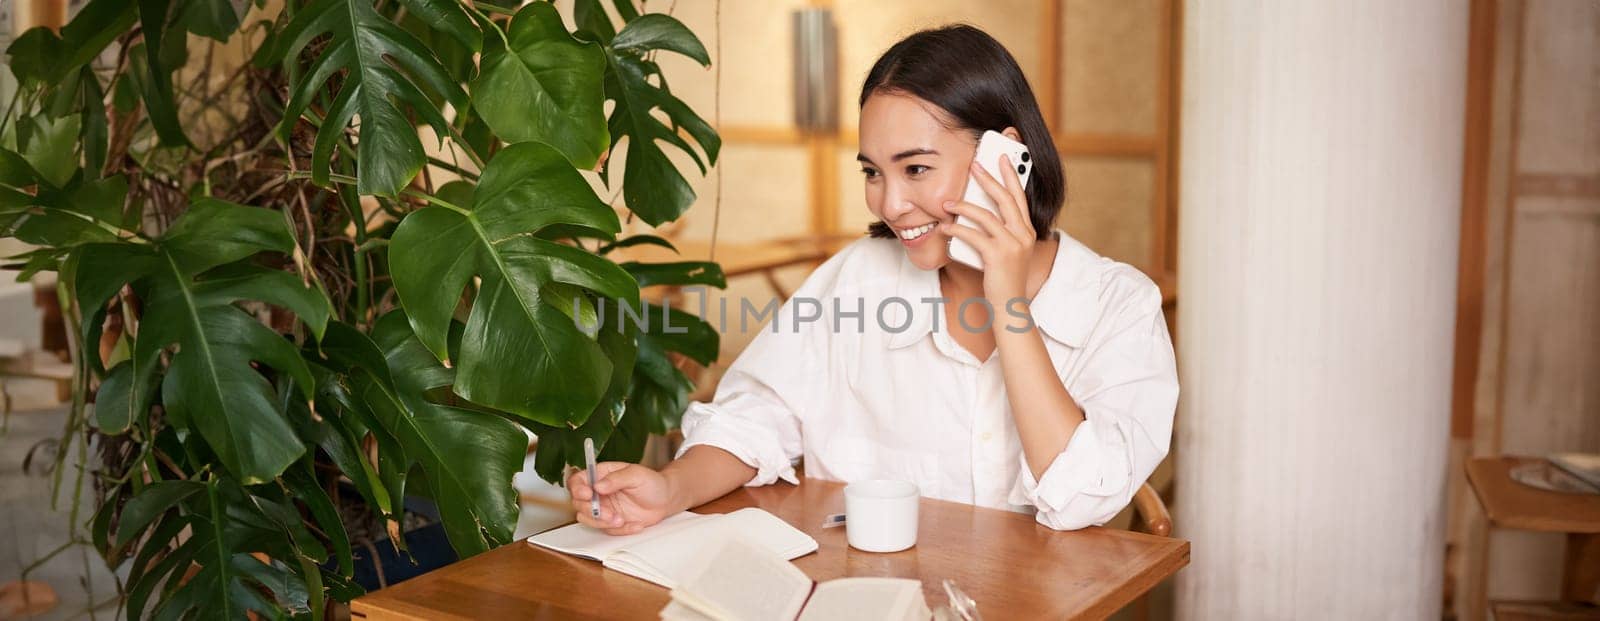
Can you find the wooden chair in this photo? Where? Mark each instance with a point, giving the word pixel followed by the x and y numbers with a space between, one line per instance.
pixel 1153 515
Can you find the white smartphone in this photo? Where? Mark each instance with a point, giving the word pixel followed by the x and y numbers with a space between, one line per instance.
pixel 993 145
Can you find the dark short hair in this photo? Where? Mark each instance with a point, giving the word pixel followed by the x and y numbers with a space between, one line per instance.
pixel 976 82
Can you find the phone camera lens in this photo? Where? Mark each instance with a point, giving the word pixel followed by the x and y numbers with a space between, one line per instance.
pixel 1024 156
pixel 1022 170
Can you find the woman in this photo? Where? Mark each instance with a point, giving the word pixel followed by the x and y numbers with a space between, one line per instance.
pixel 1044 383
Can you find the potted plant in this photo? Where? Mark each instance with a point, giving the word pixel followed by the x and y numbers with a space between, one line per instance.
pixel 266 270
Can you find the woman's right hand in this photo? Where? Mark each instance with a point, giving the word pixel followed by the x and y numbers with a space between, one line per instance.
pixel 632 497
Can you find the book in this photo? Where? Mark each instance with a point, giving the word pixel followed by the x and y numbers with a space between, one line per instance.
pixel 744 581
pixel 1584 466
pixel 664 552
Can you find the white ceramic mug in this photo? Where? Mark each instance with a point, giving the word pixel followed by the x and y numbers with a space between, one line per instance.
pixel 881 515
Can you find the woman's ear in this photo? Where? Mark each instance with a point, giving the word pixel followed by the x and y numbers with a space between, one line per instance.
pixel 1011 132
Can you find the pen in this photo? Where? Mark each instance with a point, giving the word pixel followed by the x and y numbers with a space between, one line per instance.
pixel 588 460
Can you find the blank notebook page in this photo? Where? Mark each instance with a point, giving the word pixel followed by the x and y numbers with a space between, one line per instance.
pixel 866 599
pixel 669 557
pixel 745 582
pixel 580 540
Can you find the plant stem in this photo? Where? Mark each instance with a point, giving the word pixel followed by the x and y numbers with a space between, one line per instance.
pixel 434 200
pixel 465 174
pixel 34 96
pixel 499 10
pixel 456 137
pixel 490 22
pixel 348 180
pixel 358 221
pixel 37 563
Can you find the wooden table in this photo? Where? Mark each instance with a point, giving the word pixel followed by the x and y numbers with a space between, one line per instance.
pixel 1510 504
pixel 1011 565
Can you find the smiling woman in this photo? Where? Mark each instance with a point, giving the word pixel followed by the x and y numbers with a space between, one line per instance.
pixel 963 80
pixel 1060 406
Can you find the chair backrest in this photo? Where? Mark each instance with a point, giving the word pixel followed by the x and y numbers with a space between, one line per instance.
pixel 1153 515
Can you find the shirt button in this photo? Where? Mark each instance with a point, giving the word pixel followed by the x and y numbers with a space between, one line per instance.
pixel 986 435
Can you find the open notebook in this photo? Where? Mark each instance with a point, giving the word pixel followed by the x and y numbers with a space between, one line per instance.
pixel 743 581
pixel 662 553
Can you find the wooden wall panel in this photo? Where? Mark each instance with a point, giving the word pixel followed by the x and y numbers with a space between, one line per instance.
pixel 853 214
pixel 1110 67
pixel 756 61
pixel 1559 130
pixel 866 29
pixel 766 193
pixel 1106 199
pixel 1552 390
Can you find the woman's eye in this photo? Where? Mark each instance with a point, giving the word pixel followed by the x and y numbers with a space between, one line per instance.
pixel 916 169
pixel 870 173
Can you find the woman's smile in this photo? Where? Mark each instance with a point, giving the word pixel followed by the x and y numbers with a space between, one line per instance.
pixel 914 236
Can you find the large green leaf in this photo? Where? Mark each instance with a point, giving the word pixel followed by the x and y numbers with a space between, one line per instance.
pixel 89 212
pixel 561 446
pixel 547 86
pixel 457 58
pixel 159 101
pixel 336 432
pixel 661 391
pixel 15 171
pixel 448 17
pixel 468 456
pixel 210 386
pixel 658 31
pixel 216 19
pixel 678 274
pixel 592 21
pixel 150 504
pixel 302 480
pixel 651 183
pixel 52 148
pixel 148 573
pixel 382 61
pixel 519 353
pixel 40 55
pixel 228 524
pixel 96 130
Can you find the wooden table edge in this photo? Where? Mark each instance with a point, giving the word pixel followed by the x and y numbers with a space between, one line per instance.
pixel 1476 484
pixel 1174 557
pixel 1498 519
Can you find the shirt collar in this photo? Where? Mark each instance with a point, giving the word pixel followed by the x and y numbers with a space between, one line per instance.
pixel 1063 308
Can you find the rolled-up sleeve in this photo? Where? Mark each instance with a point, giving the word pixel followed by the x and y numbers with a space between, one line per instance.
pixel 751 421
pixel 1129 386
pixel 759 407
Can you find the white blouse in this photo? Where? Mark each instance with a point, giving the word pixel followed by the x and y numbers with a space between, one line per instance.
pixel 865 386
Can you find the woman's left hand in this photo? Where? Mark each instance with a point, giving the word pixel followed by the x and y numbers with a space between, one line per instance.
pixel 1004 240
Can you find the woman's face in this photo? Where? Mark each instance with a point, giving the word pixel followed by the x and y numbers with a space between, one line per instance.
pixel 913 164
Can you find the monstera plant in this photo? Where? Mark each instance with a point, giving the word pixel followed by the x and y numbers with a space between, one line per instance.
pixel 373 249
